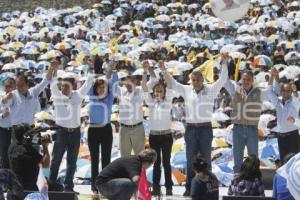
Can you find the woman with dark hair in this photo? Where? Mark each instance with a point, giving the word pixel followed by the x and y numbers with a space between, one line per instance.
pixel 205 184
pixel 100 130
pixel 160 139
pixel 248 182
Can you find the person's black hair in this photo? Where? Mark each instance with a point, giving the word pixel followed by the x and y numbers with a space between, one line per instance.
pixel 249 72
pixel 23 78
pixel 69 80
pixel 97 84
pixel 148 155
pixel 199 163
pixel 250 169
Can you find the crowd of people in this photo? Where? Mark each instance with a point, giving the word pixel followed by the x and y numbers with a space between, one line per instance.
pixel 150 54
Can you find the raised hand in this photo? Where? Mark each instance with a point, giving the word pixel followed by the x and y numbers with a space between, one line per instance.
pixel 225 58
pixel 7 97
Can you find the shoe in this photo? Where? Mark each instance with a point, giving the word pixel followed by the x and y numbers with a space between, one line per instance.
pixel 71 190
pixel 156 191
pixel 169 192
pixel 54 186
pixel 187 193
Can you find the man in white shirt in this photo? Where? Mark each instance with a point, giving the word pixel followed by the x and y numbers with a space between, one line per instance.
pixel 67 105
pixel 287 114
pixel 5 126
pixel 199 103
pixel 23 102
pixel 132 133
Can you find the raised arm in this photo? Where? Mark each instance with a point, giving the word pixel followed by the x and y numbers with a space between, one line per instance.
pixel 167 78
pixel 36 90
pixel 53 86
pixel 84 89
pixel 216 87
pixel 144 79
pixel 180 88
pixel 269 93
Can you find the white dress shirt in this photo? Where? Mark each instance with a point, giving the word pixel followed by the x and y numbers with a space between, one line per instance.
pixel 283 111
pixel 131 106
pixel 23 108
pixel 159 112
pixel 67 109
pixel 199 106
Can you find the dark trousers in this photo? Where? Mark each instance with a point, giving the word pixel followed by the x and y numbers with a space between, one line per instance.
pixel 197 140
pixel 162 144
pixel 70 142
pixel 118 189
pixel 99 136
pixel 288 143
pixel 5 137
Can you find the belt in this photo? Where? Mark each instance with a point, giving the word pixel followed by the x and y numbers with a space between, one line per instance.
pixel 199 124
pixel 162 132
pixel 69 130
pixel 6 129
pixel 132 126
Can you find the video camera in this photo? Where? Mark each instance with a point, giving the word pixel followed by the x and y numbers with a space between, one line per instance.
pixel 28 135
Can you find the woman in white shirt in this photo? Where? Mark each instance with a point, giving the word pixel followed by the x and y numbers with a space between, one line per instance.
pixel 160 139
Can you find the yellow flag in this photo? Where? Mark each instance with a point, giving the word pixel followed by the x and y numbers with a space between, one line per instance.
pixel 113 45
pixel 207 68
pixel 237 69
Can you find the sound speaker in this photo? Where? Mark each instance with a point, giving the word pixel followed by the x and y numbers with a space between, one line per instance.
pixel 57 195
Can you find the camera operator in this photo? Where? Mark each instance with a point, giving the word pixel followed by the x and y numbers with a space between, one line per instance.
pixel 25 158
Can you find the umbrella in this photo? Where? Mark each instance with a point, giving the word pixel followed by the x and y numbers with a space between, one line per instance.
pixel 228 48
pixel 163 18
pixel 239 55
pixel 15 45
pixel 10 66
pixel 28 64
pixel 43 65
pixel 178 177
pixel 63 45
pixel 261 60
pixel 50 54
pixel 7 54
pixel 292 56
pixel 30 51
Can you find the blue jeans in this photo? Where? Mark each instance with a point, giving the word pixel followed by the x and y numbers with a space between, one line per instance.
pixel 5 137
pixel 243 136
pixel 70 142
pixel 197 140
pixel 118 189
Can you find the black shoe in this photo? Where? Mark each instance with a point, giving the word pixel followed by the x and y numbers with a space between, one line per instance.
pixel 169 192
pixel 71 190
pixel 54 186
pixel 156 191
pixel 187 193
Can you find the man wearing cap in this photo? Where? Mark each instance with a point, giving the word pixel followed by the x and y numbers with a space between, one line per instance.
pixel 67 106
pixel 199 103
pixel 5 125
pixel 132 133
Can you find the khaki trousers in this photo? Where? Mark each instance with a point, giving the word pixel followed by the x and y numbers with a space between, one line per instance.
pixel 132 138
